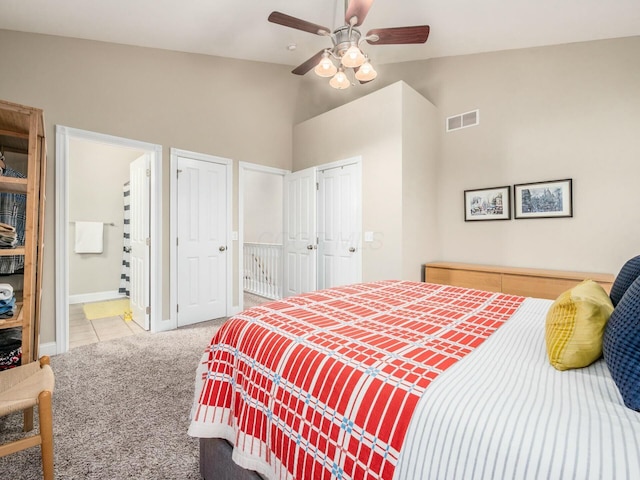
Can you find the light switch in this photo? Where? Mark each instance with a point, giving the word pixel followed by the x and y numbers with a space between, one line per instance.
pixel 368 236
pixel 234 235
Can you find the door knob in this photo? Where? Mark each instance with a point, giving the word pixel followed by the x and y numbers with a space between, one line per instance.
pixel 309 247
pixel 352 249
pixel 222 248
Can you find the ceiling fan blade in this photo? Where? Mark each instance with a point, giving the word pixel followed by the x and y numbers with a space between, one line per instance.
pixel 399 35
pixel 308 65
pixel 293 22
pixel 359 10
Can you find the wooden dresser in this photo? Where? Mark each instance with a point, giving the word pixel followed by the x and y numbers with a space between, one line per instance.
pixel 528 282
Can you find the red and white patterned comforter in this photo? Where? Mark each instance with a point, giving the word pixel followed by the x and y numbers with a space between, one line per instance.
pixel 323 385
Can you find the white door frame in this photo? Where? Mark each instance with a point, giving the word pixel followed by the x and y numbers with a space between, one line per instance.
pixel 244 167
pixel 63 136
pixel 173 228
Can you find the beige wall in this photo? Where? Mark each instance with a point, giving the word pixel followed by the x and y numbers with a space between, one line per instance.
pixel 263 208
pixel 546 113
pixel 566 111
pixel 420 236
pixel 569 111
pixel 230 108
pixel 97 174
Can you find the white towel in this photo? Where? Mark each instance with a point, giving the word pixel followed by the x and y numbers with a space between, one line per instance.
pixel 6 291
pixel 89 237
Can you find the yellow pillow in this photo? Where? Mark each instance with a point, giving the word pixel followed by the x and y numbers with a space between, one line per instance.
pixel 575 326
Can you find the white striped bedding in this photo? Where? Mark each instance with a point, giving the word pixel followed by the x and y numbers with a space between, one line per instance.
pixel 503 412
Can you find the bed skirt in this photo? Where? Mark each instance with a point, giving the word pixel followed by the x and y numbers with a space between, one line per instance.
pixel 216 462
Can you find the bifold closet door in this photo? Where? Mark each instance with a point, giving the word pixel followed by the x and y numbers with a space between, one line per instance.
pixel 323 223
pixel 339 226
pixel 300 239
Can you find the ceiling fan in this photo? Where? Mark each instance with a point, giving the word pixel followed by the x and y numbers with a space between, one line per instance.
pixel 346 43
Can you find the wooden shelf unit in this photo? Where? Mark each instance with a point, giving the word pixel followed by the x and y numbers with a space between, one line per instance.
pixel 15 321
pixel 528 282
pixel 22 131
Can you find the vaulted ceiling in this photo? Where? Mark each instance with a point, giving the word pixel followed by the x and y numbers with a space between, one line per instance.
pixel 239 29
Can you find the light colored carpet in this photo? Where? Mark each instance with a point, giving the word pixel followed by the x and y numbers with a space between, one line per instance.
pixel 109 308
pixel 120 410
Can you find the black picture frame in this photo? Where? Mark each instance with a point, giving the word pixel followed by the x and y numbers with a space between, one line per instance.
pixel 548 199
pixel 482 204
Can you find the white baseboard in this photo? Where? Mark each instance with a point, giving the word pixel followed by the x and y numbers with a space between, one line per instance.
pixel 95 297
pixel 49 348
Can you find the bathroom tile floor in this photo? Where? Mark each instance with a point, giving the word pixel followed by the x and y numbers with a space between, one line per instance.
pixel 83 331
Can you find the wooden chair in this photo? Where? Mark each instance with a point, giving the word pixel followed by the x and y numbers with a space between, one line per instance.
pixel 22 388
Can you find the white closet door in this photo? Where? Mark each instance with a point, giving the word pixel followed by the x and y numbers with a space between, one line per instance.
pixel 300 242
pixel 339 225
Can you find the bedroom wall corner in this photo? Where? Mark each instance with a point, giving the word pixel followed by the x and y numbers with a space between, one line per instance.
pixel 394 129
pixel 419 183
pixel 369 127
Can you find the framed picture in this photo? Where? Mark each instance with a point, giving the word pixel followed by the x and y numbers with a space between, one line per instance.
pixel 487 204
pixel 543 199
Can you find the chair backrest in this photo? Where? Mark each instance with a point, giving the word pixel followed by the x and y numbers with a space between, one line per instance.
pixel 22 388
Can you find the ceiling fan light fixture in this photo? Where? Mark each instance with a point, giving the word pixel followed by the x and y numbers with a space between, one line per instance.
pixel 353 57
pixel 366 72
pixel 340 80
pixel 345 53
pixel 325 67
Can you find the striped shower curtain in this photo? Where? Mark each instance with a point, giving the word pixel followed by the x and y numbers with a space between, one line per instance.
pixel 126 243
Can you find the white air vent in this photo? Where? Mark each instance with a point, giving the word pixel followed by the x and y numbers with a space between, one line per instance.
pixel 464 120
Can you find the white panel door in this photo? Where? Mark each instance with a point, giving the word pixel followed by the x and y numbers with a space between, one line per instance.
pixel 300 241
pixel 202 241
pixel 139 183
pixel 339 225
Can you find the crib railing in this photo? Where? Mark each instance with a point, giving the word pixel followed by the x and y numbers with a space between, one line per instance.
pixel 263 269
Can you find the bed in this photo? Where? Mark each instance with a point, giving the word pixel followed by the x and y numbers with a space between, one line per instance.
pixel 404 380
